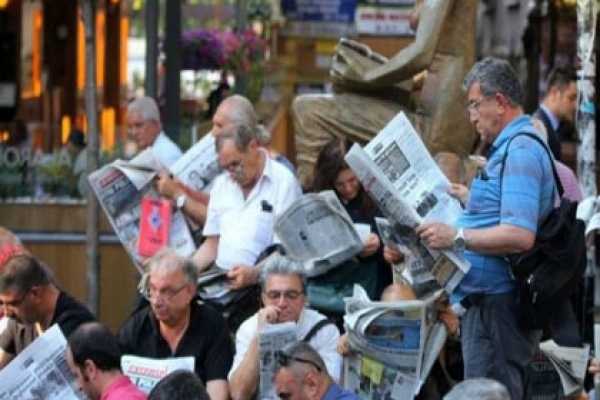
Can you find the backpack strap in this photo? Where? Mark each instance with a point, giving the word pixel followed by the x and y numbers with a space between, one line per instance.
pixel 316 328
pixel 535 137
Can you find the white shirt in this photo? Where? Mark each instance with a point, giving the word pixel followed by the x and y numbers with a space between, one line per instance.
pixel 324 341
pixel 245 226
pixel 165 150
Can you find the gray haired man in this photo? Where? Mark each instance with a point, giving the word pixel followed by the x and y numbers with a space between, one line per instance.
pixel 283 287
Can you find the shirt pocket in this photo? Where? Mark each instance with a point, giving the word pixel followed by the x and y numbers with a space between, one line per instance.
pixel 484 196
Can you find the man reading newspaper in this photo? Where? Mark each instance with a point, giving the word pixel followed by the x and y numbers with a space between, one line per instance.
pixel 284 296
pixel 497 220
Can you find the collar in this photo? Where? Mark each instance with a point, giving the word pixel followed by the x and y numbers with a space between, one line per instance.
pixel 517 125
pixel 333 392
pixel 551 117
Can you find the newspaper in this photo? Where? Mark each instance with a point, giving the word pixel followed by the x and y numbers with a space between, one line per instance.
pixel 145 373
pixel 408 187
pixel 41 371
pixel 413 270
pixel 403 336
pixel 588 211
pixel 570 363
pixel 317 230
pixel 120 187
pixel 199 166
pixel 273 337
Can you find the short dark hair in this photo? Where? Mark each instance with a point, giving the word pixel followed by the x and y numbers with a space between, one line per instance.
pixel 24 271
pixel 496 76
pixel 561 77
pixel 93 341
pixel 180 385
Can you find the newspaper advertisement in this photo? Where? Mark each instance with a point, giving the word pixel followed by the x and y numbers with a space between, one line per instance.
pixel 402 337
pixel 120 187
pixel 41 371
pixel 570 363
pixel 317 230
pixel 273 337
pixel 407 186
pixel 145 373
pixel 199 166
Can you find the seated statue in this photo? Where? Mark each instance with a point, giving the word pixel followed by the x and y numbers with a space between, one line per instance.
pixel 369 90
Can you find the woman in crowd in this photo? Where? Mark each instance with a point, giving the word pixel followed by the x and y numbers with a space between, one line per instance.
pixel 368 269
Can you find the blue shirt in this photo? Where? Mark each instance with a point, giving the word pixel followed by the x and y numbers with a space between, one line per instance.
pixel 335 392
pixel 526 199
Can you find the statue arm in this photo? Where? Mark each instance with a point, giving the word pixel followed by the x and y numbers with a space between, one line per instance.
pixel 416 57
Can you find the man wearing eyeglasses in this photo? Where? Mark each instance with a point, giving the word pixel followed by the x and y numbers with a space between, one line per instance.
pixel 558 105
pixel 283 287
pixel 30 297
pixel 244 203
pixel 502 215
pixel 143 121
pixel 175 325
pixel 301 374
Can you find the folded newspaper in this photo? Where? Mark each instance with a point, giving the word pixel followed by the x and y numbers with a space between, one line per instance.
pixel 41 371
pixel 408 188
pixel 401 336
pixel 121 185
pixel 570 363
pixel 145 372
pixel 588 211
pixel 273 337
pixel 317 230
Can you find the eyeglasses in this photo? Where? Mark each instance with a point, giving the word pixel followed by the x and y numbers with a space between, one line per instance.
pixel 287 294
pixel 151 293
pixel 14 303
pixel 474 104
pixel 284 360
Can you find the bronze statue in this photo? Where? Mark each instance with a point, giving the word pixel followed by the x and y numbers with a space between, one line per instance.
pixel 369 90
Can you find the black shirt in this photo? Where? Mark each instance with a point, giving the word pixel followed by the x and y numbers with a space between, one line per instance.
pixel 68 314
pixel 206 338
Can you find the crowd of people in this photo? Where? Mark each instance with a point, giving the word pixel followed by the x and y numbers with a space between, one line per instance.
pixel 501 216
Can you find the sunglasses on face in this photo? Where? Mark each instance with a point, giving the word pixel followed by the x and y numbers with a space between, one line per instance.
pixel 284 360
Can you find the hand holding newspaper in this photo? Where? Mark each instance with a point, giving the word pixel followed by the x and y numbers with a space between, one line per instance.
pixel 317 230
pixel 120 187
pixel 570 363
pixel 40 371
pixel 145 372
pixel 588 211
pixel 407 186
pixel 400 338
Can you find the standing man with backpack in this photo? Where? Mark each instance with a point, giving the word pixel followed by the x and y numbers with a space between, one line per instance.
pixel 507 203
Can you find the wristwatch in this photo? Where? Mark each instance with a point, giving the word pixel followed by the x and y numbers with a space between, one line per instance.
pixel 180 201
pixel 459 243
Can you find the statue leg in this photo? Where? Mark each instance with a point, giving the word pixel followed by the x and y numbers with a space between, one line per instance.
pixel 319 118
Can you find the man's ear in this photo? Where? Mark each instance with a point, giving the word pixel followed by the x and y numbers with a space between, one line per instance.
pixel 89 368
pixel 311 384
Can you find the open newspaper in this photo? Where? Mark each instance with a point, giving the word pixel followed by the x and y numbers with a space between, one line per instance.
pixel 199 166
pixel 570 363
pixel 317 230
pixel 412 270
pixel 40 371
pixel 120 187
pixel 400 336
pixel 408 188
pixel 273 337
pixel 145 373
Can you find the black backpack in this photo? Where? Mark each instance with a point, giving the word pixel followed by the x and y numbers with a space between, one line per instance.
pixel 547 274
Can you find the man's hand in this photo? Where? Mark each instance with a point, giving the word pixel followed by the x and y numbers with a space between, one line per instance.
pixel 241 276
pixel 459 192
pixel 268 314
pixel 436 235
pixel 448 318
pixel 392 255
pixel 343 347
pixel 167 187
pixel 371 246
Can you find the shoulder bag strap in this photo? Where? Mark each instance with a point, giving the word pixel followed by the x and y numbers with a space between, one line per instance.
pixel 316 328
